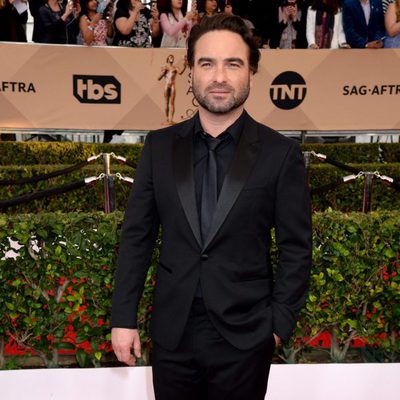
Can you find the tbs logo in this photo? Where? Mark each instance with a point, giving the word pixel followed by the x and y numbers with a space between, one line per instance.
pixel 97 89
pixel 288 90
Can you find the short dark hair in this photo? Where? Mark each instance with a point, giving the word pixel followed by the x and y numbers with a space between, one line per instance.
pixel 224 22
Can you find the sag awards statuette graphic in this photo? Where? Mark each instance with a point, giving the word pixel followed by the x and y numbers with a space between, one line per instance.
pixel 169 72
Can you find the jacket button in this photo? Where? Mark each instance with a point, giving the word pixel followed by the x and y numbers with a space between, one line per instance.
pixel 204 257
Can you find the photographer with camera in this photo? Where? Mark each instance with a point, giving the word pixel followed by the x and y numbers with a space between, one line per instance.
pixel 135 25
pixel 95 22
pixel 290 25
pixel 58 22
pixel 176 23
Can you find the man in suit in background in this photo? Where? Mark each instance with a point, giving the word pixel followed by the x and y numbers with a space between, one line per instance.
pixel 363 23
pixel 217 184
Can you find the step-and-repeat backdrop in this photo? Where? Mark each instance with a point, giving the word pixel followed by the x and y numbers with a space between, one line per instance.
pixel 77 87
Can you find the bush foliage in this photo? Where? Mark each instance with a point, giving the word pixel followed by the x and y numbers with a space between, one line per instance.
pixel 32 153
pixel 57 293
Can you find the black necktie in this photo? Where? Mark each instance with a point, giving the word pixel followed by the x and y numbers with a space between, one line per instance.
pixel 209 194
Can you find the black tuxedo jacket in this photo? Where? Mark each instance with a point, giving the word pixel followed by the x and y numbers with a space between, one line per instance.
pixel 264 188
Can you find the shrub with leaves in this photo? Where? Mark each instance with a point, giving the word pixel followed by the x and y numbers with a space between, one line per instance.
pixel 55 296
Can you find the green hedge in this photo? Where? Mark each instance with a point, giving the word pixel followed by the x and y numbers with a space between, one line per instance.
pixel 25 153
pixel 358 152
pixel 32 153
pixel 66 285
pixel 345 198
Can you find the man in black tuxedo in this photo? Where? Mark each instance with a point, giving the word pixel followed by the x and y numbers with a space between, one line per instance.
pixel 217 184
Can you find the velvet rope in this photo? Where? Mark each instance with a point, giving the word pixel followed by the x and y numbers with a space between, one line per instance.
pixel 43 177
pixel 329 186
pixel 342 166
pixel 43 193
pixel 130 164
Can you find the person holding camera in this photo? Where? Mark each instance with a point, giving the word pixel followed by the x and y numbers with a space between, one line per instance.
pixel 289 25
pixel 58 22
pixel 176 23
pixel 135 25
pixel 95 23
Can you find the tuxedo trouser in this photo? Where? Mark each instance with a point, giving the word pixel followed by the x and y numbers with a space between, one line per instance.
pixel 207 367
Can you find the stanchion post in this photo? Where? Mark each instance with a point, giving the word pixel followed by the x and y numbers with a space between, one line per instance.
pixel 109 188
pixel 367 199
pixel 303 136
pixel 307 162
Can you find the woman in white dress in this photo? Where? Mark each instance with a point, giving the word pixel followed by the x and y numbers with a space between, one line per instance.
pixel 324 25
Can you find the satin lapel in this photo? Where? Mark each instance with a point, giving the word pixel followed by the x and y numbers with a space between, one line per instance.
pixel 244 160
pixel 183 172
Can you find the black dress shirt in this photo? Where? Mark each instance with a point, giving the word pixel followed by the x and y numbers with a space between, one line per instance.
pixel 224 154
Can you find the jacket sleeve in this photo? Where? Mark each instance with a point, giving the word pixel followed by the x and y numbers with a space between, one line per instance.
pixel 138 236
pixel 168 28
pixel 353 38
pixel 339 32
pixel 293 237
pixel 310 30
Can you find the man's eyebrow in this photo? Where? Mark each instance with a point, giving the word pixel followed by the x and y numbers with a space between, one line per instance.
pixel 230 59
pixel 204 59
pixel 235 59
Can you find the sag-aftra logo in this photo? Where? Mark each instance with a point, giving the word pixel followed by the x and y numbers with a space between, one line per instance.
pixel 97 89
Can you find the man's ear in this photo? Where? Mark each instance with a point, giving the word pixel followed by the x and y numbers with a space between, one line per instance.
pixel 251 78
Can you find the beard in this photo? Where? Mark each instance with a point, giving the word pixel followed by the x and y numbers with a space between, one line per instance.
pixel 235 99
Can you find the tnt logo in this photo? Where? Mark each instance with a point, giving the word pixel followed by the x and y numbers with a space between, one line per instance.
pixel 97 89
pixel 288 90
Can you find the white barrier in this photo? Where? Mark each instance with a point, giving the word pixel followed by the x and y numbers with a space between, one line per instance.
pixel 287 382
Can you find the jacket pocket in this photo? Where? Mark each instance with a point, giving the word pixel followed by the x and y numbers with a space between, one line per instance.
pixel 255 279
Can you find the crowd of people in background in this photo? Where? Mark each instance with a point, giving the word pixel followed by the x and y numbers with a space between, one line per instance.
pixel 284 24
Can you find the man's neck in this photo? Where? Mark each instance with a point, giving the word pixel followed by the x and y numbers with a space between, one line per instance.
pixel 214 124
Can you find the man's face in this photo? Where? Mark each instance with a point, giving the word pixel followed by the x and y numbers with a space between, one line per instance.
pixel 221 76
